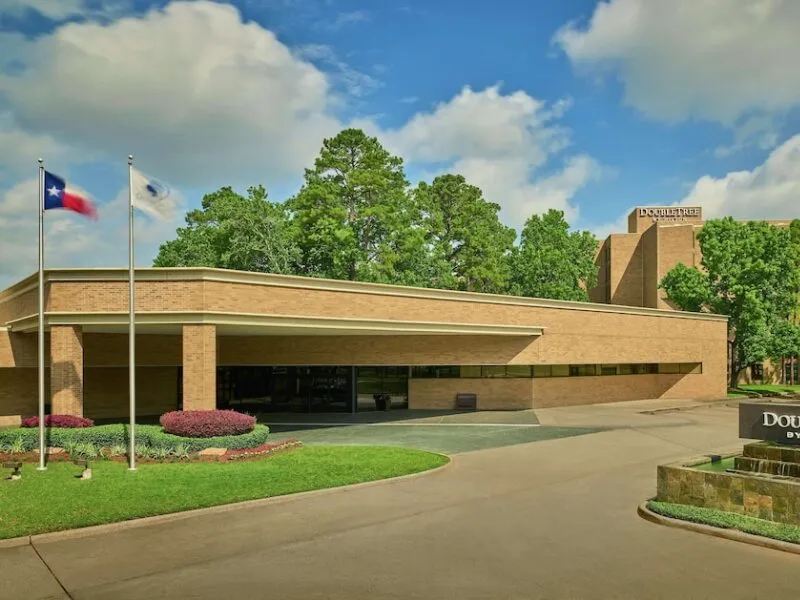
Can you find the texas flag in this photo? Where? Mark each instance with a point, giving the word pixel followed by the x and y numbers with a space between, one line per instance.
pixel 58 195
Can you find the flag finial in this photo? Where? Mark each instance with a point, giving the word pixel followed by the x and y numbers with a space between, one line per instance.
pixel 40 161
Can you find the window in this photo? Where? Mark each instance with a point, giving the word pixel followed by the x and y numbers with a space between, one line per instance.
pixel 559 371
pixel 669 368
pixel 449 372
pixel 757 371
pixel 518 371
pixel 470 371
pixel 608 369
pixel 542 371
pixel 582 370
pixel 423 372
pixel 494 371
pixel 697 369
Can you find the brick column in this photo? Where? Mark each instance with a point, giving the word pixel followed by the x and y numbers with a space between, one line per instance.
pixel 199 367
pixel 66 369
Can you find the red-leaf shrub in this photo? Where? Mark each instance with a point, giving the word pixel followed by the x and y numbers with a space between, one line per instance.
pixel 65 421
pixel 206 423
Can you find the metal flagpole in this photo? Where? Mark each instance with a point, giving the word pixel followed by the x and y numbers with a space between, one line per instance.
pixel 42 448
pixel 132 330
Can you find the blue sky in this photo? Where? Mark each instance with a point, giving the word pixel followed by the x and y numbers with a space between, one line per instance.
pixel 588 107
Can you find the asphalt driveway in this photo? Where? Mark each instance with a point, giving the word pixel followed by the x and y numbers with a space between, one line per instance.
pixel 552 519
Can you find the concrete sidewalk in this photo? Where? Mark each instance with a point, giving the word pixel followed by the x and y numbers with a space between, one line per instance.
pixel 554 519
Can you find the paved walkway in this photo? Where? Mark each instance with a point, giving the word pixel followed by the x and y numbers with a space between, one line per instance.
pixel 554 519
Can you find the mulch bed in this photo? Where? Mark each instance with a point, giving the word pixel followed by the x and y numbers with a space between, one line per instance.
pixel 238 455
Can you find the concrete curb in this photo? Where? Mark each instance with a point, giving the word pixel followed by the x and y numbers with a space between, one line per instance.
pixel 728 534
pixel 70 534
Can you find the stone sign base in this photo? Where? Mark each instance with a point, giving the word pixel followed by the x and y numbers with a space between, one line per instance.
pixel 756 494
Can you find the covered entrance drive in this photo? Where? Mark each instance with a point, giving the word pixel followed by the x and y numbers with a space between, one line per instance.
pixel 309 389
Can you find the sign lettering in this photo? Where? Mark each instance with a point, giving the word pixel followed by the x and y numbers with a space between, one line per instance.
pixel 670 213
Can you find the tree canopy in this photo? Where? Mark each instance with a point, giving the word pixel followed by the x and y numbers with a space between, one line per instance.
pixel 234 232
pixel 355 217
pixel 750 273
pixel 552 262
pixel 467 245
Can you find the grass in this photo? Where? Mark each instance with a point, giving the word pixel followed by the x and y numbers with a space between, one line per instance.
pixel 761 388
pixel 727 520
pixel 55 499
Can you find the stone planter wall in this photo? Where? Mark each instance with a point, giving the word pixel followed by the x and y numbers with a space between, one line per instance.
pixel 772 499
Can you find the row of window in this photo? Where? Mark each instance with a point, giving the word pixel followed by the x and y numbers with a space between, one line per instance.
pixel 488 371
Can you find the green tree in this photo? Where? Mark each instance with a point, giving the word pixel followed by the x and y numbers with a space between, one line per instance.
pixel 466 245
pixel 231 231
pixel 553 262
pixel 353 218
pixel 750 274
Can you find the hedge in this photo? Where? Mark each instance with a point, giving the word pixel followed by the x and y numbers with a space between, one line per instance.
pixel 105 436
pixel 207 423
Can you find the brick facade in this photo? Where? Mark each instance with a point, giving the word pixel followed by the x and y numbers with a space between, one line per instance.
pixel 66 369
pixel 198 319
pixel 199 367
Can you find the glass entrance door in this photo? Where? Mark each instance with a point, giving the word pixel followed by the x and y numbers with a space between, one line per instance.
pixel 374 382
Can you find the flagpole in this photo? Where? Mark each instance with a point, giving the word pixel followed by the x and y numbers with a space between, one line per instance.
pixel 42 466
pixel 132 326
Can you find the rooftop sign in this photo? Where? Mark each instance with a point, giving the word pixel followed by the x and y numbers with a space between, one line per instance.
pixel 670 213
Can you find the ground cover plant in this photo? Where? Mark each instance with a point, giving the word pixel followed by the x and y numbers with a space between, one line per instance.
pixel 728 520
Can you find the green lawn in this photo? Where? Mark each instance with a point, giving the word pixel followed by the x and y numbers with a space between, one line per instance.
pixel 55 499
pixel 727 520
pixel 741 391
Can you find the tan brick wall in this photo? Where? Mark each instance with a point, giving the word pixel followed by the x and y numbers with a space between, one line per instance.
pixel 199 367
pixel 601 292
pixel 19 394
pixel 626 269
pixel 66 364
pixel 650 258
pixel 572 391
pixel 106 391
pixel 572 335
pixel 373 350
pixel 675 244
pixel 493 394
pixel 111 349
pixel 17 305
pixel 99 296
pixel 20 349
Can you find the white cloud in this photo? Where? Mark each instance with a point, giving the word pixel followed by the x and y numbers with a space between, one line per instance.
pixel 343 19
pixel 195 93
pixel 20 149
pixel 769 191
pixel 355 82
pixel 716 59
pixel 72 240
pixel 499 142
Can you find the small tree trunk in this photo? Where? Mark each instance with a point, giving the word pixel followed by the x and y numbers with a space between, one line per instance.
pixel 782 377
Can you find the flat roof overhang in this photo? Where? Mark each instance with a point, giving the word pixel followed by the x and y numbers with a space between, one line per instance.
pixel 259 324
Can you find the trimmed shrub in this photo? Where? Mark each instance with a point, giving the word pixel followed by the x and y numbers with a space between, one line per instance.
pixel 206 423
pixel 108 436
pixel 62 421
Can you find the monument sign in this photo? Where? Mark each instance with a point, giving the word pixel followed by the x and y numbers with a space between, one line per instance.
pixel 770 421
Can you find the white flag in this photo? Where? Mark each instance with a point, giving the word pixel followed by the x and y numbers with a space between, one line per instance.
pixel 151 196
